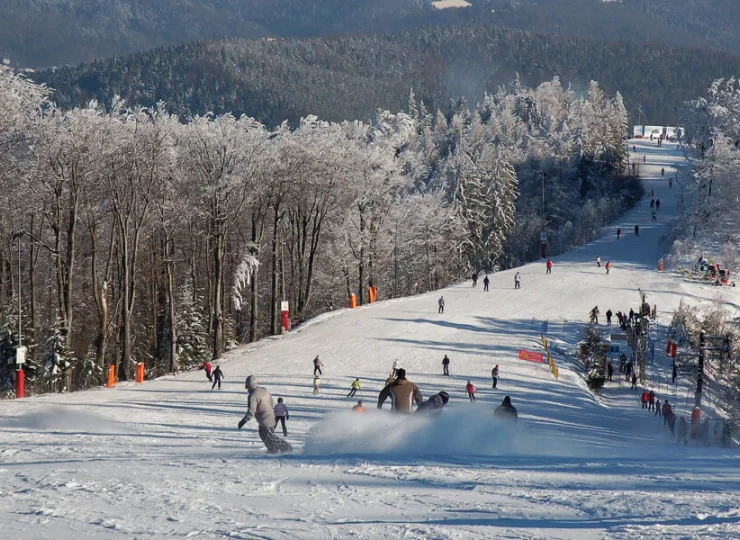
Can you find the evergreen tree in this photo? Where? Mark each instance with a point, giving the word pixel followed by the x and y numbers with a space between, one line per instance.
pixel 192 328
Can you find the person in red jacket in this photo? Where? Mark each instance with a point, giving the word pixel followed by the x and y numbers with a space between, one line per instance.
pixel 549 266
pixel 608 266
pixel 470 389
pixel 645 398
pixel 207 367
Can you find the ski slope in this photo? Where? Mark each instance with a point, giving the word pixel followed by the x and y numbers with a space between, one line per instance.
pixel 164 459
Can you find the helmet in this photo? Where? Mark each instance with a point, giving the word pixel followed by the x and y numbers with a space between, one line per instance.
pixel 445 397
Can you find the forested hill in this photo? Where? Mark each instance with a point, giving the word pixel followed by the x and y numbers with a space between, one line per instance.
pixel 349 77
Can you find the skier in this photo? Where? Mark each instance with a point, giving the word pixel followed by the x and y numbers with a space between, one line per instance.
pixel 628 371
pixel 670 183
pixel 470 389
pixel 652 203
pixel 402 393
pixel 441 303
pixel 632 314
pixel 662 172
pixel 446 366
pixel 608 267
pixel 359 407
pixel 434 404
pixel 354 388
pixel 610 371
pixel 207 367
pixel 634 381
pixel 317 365
pixel 651 400
pixel 667 411
pixel 506 411
pixel 475 279
pixel 316 384
pixel 517 281
pixel 644 398
pixel 683 431
pixel 217 376
pixel 637 230
pixel 494 376
pixel 644 159
pixel 657 407
pixel 281 415
pixel 595 315
pixel 657 204
pixel 608 316
pixel 634 148
pixel 396 367
pixel 486 283
pixel 598 261
pixel 672 423
pixel 619 233
pixel 654 217
pixel 260 407
pixel 549 266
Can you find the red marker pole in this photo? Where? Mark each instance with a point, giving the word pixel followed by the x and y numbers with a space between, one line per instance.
pixel 20 383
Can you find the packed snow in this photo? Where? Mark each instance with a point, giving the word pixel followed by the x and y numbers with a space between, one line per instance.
pixel 165 459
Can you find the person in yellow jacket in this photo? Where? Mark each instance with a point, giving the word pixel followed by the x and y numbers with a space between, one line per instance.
pixel 355 387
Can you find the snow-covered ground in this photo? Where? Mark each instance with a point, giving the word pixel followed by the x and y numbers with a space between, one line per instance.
pixel 165 459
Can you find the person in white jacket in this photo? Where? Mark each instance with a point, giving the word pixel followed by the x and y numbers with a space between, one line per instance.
pixel 281 415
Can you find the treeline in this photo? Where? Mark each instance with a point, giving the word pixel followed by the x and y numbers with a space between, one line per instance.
pixel 146 239
pixel 351 77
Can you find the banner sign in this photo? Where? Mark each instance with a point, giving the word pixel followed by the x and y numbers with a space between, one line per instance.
pixel 529 356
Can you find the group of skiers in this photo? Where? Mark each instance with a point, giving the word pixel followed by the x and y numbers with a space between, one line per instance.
pixel 486 281
pixel 649 401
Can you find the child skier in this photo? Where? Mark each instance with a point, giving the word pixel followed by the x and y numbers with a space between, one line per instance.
pixel 281 415
pixel 470 389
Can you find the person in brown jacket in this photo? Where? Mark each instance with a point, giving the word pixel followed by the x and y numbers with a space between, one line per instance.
pixel 402 393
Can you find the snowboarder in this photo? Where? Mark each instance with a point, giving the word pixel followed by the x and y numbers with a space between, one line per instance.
pixel 281 415
pixel 434 404
pixel 608 316
pixel 486 283
pixel 619 233
pixel 402 393
pixel 217 376
pixel 608 267
pixel 475 279
pixel 598 261
pixel 359 407
pixel 657 204
pixel 446 366
pixel 644 398
pixel 260 408
pixel 470 389
pixel 683 431
pixel 207 367
pixel 610 371
pixel 549 266
pixel 506 411
pixel 396 367
pixel 634 381
pixel 637 230
pixel 316 384
pixel 317 365
pixel 441 303
pixel 354 388
pixel 494 376
pixel 517 281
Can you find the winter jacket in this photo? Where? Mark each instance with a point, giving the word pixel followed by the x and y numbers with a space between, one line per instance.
pixel 281 410
pixel 402 393
pixel 218 374
pixel 445 361
pixel 516 277
pixel 259 404
pixel 469 388
pixel 506 411
pixel 396 365
pixel 645 397
pixel 433 405
pixel 358 408
pixel 356 384
pixel 207 367
pixel 667 411
pixel 317 362
pixel 651 397
pixel 549 263
pixel 441 302
pixel 494 372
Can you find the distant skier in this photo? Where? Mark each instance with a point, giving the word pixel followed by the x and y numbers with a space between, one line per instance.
pixel 316 385
pixel 441 303
pixel 549 266
pixel 637 230
pixel 662 172
pixel 670 183
pixel 652 203
pixel 609 371
pixel 657 204
pixel 644 398
pixel 403 394
pixel 359 407
pixel 608 267
pixel 644 159
pixel 434 404
pixel 655 218
pixel 634 148
pixel 608 316
pixel 281 415
pixel 354 388
pixel 506 411
pixel 486 283
pixel 317 365
pixel 494 376
pixel 683 431
pixel 470 389
pixel 667 411
pixel 396 367
pixel 446 366
pixel 517 281
pixel 657 408
pixel 260 407
pixel 651 400
pixel 619 233
pixel 475 279
pixel 207 367
pixel 598 261
pixel 594 315
pixel 217 376
pixel 631 315
pixel 634 381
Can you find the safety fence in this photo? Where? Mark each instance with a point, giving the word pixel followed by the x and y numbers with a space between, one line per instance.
pixel 550 361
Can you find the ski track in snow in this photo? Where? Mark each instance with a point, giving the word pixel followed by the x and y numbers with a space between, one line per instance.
pixel 164 459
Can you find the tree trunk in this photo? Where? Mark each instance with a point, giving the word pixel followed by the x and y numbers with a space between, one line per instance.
pixel 218 321
pixel 274 280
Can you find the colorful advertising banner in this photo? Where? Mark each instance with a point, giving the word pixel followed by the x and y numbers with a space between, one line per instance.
pixel 529 356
